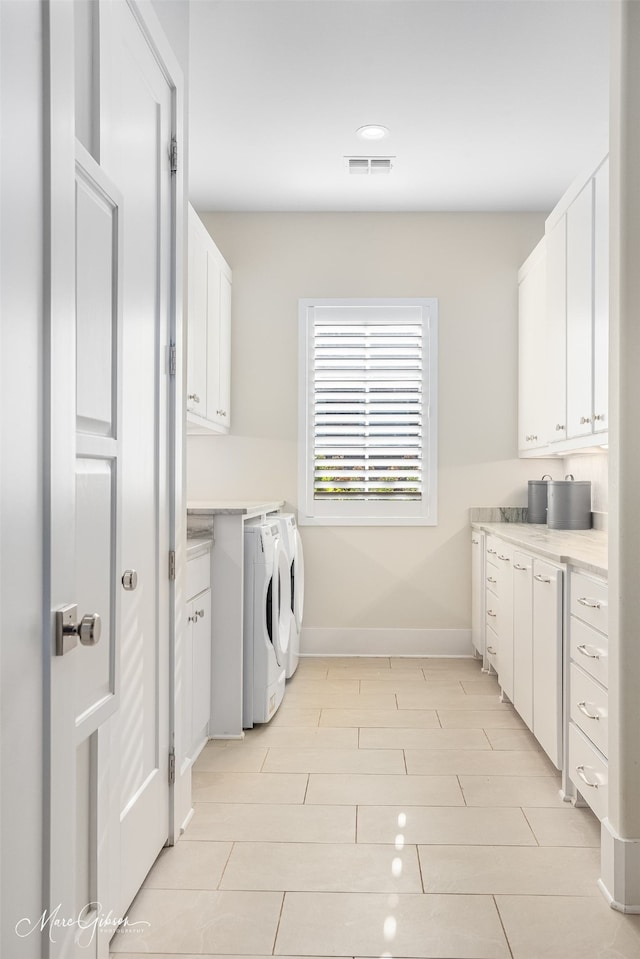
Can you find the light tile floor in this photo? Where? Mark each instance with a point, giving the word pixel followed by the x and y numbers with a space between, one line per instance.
pixel 393 807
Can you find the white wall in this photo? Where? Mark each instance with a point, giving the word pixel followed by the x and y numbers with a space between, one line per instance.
pixel 384 577
pixel 21 313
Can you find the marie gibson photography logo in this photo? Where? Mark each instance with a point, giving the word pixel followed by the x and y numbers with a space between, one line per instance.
pixel 90 921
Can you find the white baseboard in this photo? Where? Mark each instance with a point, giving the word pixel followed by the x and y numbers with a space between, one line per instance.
pixel 317 641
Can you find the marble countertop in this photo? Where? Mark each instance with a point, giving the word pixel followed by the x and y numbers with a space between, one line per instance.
pixel 198 543
pixel 585 549
pixel 233 507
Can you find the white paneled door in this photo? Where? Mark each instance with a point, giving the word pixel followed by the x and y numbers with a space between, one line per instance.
pixel 111 257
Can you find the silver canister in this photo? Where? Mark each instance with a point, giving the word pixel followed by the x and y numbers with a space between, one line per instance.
pixel 569 504
pixel 537 500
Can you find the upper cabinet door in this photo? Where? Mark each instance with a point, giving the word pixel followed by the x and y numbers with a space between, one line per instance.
pixel 532 415
pixel 556 359
pixel 580 313
pixel 601 301
pixel 209 332
pixel 197 319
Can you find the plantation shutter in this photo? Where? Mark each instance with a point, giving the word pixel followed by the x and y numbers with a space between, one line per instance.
pixel 368 409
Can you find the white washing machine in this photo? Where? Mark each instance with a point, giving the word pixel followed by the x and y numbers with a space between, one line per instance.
pixel 295 560
pixel 266 625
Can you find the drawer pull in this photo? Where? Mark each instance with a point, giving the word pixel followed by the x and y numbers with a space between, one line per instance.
pixel 491 613
pixel 492 551
pixel 583 709
pixel 584 650
pixel 505 559
pixel 583 776
pixel 542 579
pixel 490 579
pixel 589 603
pixel 522 569
pixel 491 650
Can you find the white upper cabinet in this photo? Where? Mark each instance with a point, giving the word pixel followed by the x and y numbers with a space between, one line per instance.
pixel 532 415
pixel 209 333
pixel 556 365
pixel 580 312
pixel 563 371
pixel 601 300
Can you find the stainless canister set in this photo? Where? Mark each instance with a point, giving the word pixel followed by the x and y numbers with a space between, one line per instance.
pixel 560 504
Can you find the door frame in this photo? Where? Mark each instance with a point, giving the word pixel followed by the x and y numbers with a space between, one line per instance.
pixel 58 407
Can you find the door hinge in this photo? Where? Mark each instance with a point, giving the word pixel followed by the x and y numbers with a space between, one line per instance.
pixel 172 767
pixel 172 564
pixel 173 361
pixel 173 154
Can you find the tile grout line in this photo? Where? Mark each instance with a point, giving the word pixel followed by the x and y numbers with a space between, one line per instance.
pixel 530 826
pixel 233 846
pixel 504 931
pixel 420 869
pixel 306 790
pixel 275 938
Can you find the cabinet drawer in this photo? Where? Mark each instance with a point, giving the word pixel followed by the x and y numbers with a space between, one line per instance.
pixel 198 575
pixel 589 601
pixel 588 772
pixel 491 648
pixel 590 650
pixel 492 578
pixel 493 612
pixel 589 708
pixel 493 544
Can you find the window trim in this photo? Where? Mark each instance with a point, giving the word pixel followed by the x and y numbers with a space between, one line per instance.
pixel 368 513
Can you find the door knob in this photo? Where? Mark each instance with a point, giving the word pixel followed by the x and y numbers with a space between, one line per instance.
pixel 129 580
pixel 68 631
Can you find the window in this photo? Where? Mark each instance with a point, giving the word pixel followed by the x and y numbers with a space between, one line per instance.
pixel 368 438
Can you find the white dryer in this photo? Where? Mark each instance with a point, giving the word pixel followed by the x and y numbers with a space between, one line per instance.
pixel 266 628
pixel 295 560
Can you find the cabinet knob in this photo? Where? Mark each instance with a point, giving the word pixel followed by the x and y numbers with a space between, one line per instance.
pixel 200 613
pixel 194 397
pixel 598 417
pixel 221 413
pixel 560 426
pixel 584 420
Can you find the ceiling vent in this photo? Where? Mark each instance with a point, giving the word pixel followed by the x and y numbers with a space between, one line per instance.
pixel 367 165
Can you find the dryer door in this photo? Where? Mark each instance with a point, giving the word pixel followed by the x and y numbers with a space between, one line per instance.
pixel 282 603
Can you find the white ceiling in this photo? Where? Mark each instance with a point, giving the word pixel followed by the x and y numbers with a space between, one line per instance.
pixel 491 104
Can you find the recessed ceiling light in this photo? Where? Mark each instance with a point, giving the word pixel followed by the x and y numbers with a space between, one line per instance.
pixel 372 131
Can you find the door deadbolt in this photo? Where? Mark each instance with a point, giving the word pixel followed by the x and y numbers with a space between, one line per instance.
pixel 68 631
pixel 129 579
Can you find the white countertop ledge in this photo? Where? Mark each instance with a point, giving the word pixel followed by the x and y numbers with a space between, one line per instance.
pixel 233 507
pixel 585 549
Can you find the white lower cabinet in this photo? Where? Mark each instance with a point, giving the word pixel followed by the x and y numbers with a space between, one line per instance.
pixel 477 591
pixel 523 635
pixel 547 658
pixel 196 673
pixel 588 710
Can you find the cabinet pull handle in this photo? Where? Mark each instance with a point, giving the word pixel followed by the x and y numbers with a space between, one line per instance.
pixel 560 426
pixel 492 551
pixel 491 650
pixel 583 709
pixel 475 541
pixel 580 771
pixel 542 579
pixel 589 603
pixel 522 569
pixel 194 397
pixel 583 649
pixel 490 612
pixel 490 579
pixel 505 559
